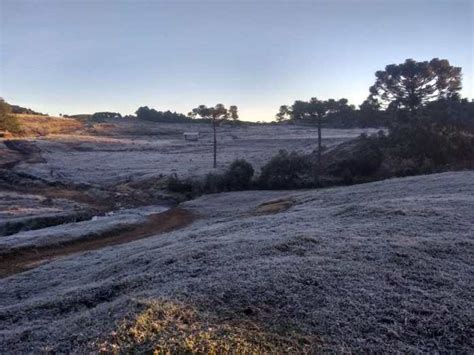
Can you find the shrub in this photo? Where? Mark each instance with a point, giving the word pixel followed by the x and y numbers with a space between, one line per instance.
pixel 440 144
pixel 236 178
pixel 400 167
pixel 214 183
pixel 174 184
pixel 286 171
pixel 364 160
pixel 239 175
pixel 347 176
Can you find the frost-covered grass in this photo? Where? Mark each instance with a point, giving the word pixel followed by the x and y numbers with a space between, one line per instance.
pixel 380 267
pixel 112 153
pixel 19 211
pixel 66 233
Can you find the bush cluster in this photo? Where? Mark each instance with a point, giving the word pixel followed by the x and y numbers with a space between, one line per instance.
pixel 441 145
pixel 236 178
pixel 363 161
pixel 283 171
pixel 287 171
pixel 411 148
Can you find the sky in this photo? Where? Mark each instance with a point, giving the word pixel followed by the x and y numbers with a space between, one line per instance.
pixel 66 56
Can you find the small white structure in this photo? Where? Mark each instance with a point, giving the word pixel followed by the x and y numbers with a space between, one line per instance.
pixel 191 136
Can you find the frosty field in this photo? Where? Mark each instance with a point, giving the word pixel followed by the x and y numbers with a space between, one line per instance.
pixel 87 242
pixel 110 153
pixel 382 267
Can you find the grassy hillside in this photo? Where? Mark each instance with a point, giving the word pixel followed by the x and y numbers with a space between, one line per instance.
pixel 39 125
pixel 380 267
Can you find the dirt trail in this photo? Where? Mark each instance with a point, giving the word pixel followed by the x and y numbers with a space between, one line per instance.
pixel 158 223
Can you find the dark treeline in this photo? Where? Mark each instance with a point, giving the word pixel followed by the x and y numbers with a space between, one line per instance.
pixel 143 113
pixel 150 114
pixel 349 117
pixel 24 110
pixel 455 110
pixel 102 115
pixel 428 88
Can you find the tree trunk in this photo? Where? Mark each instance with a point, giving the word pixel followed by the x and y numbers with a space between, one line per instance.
pixel 215 143
pixel 319 146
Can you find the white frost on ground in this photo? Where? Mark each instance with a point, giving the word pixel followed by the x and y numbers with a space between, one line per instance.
pixel 380 267
pixel 147 150
pixel 15 205
pixel 26 209
pixel 64 233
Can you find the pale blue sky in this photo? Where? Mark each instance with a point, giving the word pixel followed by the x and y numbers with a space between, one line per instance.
pixel 87 56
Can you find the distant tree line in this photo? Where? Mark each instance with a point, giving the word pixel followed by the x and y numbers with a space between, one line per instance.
pixel 366 116
pixel 150 114
pixel 82 116
pixel 23 110
pixel 103 115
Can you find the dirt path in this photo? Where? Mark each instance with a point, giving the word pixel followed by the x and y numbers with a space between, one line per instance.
pixel 158 223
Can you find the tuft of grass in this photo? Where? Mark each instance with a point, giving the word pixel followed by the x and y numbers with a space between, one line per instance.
pixel 167 327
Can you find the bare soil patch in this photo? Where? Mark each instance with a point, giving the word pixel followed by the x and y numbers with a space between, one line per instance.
pixel 159 223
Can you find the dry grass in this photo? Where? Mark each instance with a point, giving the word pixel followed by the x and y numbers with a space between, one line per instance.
pixel 37 125
pixel 167 327
pixel 275 206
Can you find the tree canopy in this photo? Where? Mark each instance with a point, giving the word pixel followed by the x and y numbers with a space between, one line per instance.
pixel 234 115
pixel 412 84
pixel 314 109
pixel 216 114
